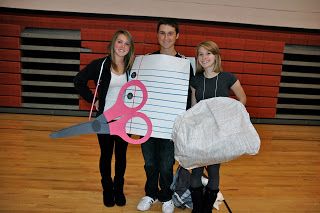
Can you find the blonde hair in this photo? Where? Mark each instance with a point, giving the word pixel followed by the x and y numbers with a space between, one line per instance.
pixel 214 49
pixel 129 58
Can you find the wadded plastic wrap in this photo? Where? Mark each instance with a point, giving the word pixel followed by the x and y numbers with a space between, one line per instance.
pixel 215 130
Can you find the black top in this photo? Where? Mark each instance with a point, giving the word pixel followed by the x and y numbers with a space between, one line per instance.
pixel 91 72
pixel 218 86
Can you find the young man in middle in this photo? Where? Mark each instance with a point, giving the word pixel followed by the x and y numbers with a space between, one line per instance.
pixel 158 153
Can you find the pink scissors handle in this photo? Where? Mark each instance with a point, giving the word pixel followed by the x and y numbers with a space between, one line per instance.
pixel 118 128
pixel 120 108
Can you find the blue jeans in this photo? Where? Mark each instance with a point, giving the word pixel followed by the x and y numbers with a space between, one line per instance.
pixel 158 156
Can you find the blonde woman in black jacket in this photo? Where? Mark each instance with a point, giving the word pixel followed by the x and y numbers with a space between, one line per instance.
pixel 113 74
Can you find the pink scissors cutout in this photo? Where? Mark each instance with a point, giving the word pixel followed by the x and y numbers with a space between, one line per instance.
pixel 114 120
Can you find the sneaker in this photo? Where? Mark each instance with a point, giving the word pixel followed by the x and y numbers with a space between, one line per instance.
pixel 145 203
pixel 168 207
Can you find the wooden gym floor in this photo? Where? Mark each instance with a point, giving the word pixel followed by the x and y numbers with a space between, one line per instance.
pixel 39 174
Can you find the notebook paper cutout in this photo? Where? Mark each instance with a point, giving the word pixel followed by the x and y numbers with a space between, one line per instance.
pixel 167 81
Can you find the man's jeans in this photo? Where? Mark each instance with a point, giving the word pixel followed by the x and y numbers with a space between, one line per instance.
pixel 159 160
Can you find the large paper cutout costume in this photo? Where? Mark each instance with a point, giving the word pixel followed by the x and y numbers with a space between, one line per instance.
pixel 118 120
pixel 213 131
pixel 167 80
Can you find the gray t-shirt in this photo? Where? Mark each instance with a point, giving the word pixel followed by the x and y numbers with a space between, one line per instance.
pixel 219 86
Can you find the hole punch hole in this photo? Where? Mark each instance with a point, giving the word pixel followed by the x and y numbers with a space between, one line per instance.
pixel 129 95
pixel 133 75
pixel 133 96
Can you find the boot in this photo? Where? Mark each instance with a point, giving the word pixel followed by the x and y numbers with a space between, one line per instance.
pixel 209 198
pixel 108 193
pixel 119 196
pixel 197 197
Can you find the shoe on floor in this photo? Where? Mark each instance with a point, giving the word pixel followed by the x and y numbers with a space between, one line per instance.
pixel 146 203
pixel 120 198
pixel 167 207
pixel 108 198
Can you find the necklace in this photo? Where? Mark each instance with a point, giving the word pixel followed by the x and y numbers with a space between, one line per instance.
pixel 204 86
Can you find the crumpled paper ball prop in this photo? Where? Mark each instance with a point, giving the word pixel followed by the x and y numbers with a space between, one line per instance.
pixel 215 130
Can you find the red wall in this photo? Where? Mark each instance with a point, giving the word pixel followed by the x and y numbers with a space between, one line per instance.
pixel 254 54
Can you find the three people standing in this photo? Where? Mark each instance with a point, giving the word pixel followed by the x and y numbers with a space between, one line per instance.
pixel 110 74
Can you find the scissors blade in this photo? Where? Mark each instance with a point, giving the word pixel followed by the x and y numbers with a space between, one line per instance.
pixel 99 125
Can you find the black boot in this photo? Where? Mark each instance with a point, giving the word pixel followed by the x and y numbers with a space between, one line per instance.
pixel 108 193
pixel 209 198
pixel 197 197
pixel 119 196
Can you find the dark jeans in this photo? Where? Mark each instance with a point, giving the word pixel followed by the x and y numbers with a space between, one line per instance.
pixel 159 160
pixel 107 144
pixel 213 177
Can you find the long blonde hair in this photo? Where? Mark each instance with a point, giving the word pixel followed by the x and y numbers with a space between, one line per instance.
pixel 129 58
pixel 214 49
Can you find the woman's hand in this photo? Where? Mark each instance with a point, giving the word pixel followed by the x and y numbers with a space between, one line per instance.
pixel 96 104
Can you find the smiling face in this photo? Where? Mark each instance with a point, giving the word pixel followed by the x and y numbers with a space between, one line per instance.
pixel 121 46
pixel 206 59
pixel 167 36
